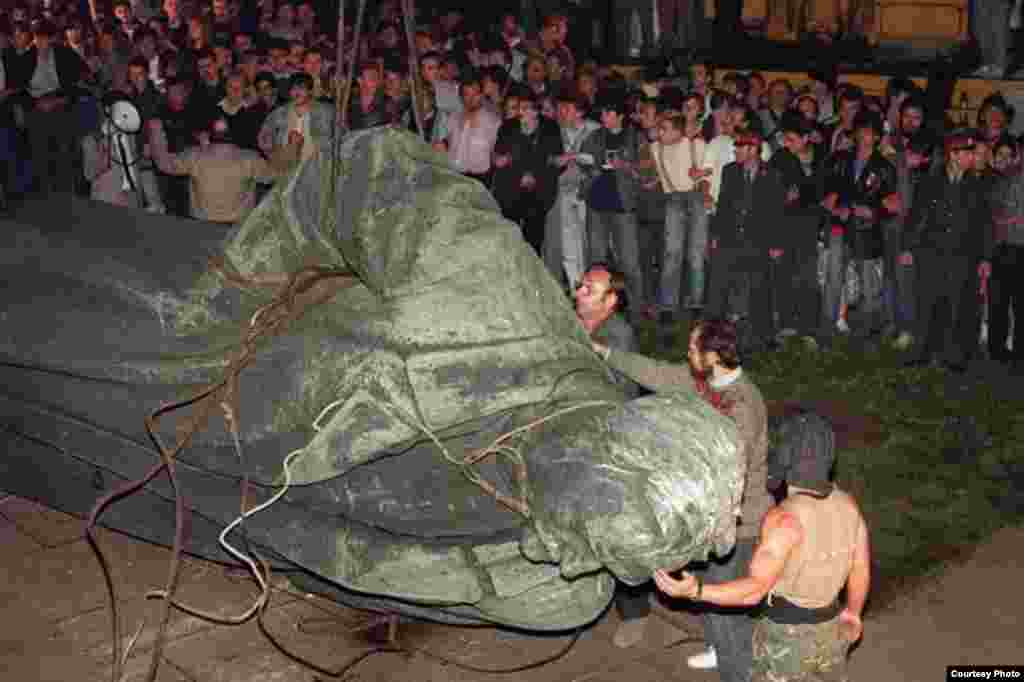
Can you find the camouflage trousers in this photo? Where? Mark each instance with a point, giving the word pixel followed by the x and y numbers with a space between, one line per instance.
pixel 799 653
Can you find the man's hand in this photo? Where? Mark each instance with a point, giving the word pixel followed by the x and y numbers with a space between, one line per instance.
pixel 698 173
pixel 528 182
pixel 502 160
pixel 564 159
pixel 712 246
pixel 792 195
pixel 905 258
pixel 984 269
pixel 601 349
pixel 49 103
pixel 850 625
pixel 775 254
pixel 830 201
pixel 296 138
pixel 864 212
pixel 686 587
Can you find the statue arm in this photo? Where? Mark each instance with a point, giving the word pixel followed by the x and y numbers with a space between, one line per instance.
pixel 652 374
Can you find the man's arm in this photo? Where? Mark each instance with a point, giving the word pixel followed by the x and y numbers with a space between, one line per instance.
pixel 857 585
pixel 95 157
pixel 781 533
pixel 660 377
pixel 265 139
pixel 919 215
pixel 279 163
pixel 172 164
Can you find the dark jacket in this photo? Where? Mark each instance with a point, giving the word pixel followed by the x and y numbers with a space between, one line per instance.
pixel 749 216
pixel 950 218
pixel 379 113
pixel 595 145
pixel 21 68
pixel 877 181
pixel 804 216
pixel 530 154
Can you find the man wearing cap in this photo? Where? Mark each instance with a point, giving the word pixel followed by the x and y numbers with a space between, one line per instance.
pixel 746 235
pixel 713 371
pixel 811 546
pixel 949 241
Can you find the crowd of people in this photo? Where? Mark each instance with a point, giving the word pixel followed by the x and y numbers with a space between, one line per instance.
pixel 807 212
pixel 765 209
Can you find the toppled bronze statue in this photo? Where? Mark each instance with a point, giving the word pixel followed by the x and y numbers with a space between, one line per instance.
pixel 459 452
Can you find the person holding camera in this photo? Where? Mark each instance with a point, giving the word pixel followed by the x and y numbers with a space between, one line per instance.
pixel 611 194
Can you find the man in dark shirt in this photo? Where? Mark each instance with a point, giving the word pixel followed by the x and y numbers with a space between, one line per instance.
pixel 525 181
pixel 746 236
pixel 611 195
pixel 50 75
pixel 180 122
pixel 862 193
pixel 949 241
pixel 367 106
pixel 802 173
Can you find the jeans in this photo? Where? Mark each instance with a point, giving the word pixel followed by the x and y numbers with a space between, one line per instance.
pixel 613 238
pixel 730 630
pixel 899 282
pixel 623 13
pixel 686 232
pixel 740 287
pixel 833 259
pixel 796 289
pixel 948 317
pixel 1006 293
pixel 870 307
pixel 633 601
pixel 15 167
pixel 991 27
pixel 566 237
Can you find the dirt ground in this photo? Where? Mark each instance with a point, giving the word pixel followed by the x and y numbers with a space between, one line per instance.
pixel 56 623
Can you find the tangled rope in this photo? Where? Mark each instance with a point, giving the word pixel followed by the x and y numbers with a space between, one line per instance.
pixel 294 295
pixel 302 290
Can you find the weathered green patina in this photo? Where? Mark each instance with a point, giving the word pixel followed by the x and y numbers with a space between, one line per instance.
pixel 453 335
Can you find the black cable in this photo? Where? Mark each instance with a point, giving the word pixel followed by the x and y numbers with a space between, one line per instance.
pixel 413 649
